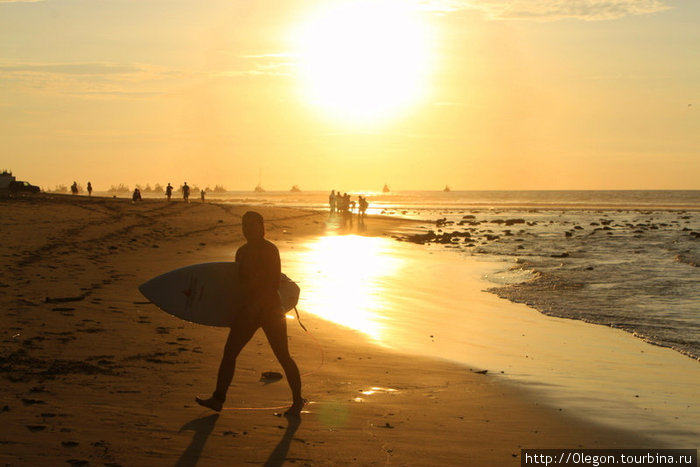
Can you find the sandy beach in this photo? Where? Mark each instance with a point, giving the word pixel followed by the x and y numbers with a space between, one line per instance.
pixel 94 375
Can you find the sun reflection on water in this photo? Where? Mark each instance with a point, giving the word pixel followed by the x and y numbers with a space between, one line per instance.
pixel 343 278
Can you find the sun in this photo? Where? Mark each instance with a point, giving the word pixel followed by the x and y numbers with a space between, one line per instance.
pixel 364 61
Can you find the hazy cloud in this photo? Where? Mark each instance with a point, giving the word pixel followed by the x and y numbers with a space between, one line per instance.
pixel 272 64
pixel 89 79
pixel 268 56
pixel 71 68
pixel 549 10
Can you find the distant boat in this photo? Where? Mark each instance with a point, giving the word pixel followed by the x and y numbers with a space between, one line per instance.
pixel 446 189
pixel 386 188
pixel 295 189
pixel 259 188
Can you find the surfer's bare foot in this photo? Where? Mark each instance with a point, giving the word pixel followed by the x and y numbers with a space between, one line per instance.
pixel 213 403
pixel 295 409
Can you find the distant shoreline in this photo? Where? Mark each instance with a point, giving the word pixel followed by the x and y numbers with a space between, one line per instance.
pixel 389 202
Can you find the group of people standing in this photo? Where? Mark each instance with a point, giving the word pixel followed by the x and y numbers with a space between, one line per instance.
pixel 343 204
pixel 136 196
pixel 74 188
pixel 185 192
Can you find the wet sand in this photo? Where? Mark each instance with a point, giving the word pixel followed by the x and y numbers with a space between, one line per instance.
pixel 93 375
pixel 432 303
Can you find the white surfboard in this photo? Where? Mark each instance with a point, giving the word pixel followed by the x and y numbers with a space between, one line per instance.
pixel 207 293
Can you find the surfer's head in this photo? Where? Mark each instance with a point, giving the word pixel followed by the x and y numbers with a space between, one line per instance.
pixel 253 226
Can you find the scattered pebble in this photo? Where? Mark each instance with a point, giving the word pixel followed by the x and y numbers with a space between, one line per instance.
pixel 35 428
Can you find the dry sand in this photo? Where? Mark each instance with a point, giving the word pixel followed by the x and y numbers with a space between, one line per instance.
pixel 92 375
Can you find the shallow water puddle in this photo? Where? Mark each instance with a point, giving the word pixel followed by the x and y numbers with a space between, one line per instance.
pixel 373 391
pixel 376 390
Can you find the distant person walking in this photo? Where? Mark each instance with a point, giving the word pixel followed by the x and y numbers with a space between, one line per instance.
pixel 74 188
pixel 186 192
pixel 169 191
pixel 202 194
pixel 332 200
pixel 363 207
pixel 136 196
pixel 344 203
pixel 259 280
pixel 89 188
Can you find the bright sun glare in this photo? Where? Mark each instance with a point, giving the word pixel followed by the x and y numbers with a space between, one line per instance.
pixel 344 280
pixel 364 61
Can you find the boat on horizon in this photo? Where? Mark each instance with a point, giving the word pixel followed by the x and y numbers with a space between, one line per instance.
pixel 258 187
pixel 295 189
pixel 446 189
pixel 386 189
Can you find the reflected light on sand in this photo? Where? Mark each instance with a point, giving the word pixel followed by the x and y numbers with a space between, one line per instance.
pixel 343 279
pixel 376 390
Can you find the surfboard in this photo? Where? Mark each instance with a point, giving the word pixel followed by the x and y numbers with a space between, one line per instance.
pixel 207 293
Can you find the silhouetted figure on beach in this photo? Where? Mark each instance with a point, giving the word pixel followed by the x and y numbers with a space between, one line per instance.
pixel 89 188
pixel 169 191
pixel 202 194
pixel 363 207
pixel 186 192
pixel 74 188
pixel 332 200
pixel 136 196
pixel 343 202
pixel 259 276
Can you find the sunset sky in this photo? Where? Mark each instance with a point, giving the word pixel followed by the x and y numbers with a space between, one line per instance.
pixel 477 94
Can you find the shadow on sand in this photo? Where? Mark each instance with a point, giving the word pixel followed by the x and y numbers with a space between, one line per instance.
pixel 202 428
pixel 279 454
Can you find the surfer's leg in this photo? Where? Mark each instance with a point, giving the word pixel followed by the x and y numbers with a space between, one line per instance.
pixel 276 332
pixel 238 337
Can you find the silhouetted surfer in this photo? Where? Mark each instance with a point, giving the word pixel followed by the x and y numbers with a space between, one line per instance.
pixel 259 275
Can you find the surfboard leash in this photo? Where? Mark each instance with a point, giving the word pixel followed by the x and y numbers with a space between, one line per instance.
pixel 299 319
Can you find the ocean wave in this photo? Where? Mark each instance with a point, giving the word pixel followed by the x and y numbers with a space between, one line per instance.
pixel 622 268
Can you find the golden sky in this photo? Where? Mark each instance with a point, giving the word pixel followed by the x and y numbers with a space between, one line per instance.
pixel 477 94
